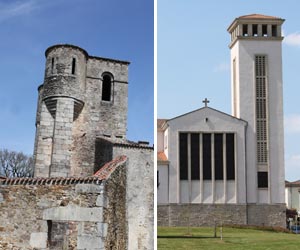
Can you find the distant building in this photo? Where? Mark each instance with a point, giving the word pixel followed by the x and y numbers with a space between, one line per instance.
pixel 292 195
pixel 230 168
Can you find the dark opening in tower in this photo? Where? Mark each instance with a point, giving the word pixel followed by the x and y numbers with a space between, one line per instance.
pixel 106 88
pixel 73 66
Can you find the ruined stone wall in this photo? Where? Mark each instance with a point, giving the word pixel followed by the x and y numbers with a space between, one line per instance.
pixel 103 153
pixel 115 210
pixel 139 195
pixel 71 216
pixel 206 214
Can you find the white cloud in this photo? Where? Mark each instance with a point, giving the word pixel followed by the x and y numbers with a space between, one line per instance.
pixel 222 67
pixel 292 123
pixel 17 8
pixel 292 39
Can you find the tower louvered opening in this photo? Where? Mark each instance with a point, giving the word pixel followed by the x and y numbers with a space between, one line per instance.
pixel 261 109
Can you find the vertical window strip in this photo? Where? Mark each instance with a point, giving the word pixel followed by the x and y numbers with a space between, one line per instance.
pixel 218 157
pixel 234 88
pixel 206 156
pixel 230 161
pixel 195 163
pixel 183 154
pixel 261 109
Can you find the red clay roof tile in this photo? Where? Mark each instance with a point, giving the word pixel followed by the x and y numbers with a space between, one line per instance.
pixel 161 156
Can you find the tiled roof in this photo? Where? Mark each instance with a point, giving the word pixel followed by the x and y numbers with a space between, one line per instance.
pixel 161 156
pixel 258 16
pixel 50 181
pixel 292 183
pixel 160 123
pixel 105 171
pixel 127 143
pixel 133 145
pixel 100 175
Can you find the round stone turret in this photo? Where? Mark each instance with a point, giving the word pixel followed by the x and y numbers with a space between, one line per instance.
pixel 64 76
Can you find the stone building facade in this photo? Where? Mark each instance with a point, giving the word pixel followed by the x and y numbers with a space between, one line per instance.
pixel 92 188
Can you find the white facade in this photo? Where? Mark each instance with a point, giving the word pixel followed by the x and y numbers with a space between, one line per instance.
pixel 205 120
pixel 292 195
pixel 259 170
pixel 244 49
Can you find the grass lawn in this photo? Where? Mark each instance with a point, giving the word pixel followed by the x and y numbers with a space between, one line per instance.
pixel 233 239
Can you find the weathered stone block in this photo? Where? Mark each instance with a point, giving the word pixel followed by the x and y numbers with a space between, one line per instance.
pixel 89 188
pixel 101 200
pixel 38 240
pixel 89 243
pixel 73 213
pixel 102 229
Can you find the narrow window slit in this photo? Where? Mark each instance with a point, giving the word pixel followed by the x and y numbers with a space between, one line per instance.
pixel 73 66
pixel 52 65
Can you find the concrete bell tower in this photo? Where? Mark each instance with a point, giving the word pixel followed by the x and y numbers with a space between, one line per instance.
pixel 257 97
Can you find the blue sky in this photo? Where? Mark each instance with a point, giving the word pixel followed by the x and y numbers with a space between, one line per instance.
pixel 194 60
pixel 108 28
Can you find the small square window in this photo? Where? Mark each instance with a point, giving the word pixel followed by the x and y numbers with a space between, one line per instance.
pixel 262 180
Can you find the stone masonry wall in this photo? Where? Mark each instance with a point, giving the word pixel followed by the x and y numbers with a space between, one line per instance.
pixel 62 138
pixel 200 214
pixel 139 195
pixel 99 118
pixel 103 153
pixel 267 215
pixel 115 210
pixel 206 214
pixel 43 142
pixel 71 216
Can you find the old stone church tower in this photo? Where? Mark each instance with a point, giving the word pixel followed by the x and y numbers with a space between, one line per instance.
pixel 92 188
pixel 82 98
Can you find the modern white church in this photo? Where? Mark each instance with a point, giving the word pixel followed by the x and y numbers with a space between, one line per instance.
pixel 230 168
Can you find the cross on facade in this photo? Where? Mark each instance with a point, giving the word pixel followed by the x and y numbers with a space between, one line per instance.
pixel 205 101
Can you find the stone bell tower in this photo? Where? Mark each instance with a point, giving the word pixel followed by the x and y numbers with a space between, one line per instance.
pixel 257 97
pixel 83 97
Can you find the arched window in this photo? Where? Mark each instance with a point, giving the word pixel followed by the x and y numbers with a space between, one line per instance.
pixel 106 87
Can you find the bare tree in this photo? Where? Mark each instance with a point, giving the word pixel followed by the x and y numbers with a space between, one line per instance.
pixel 15 164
